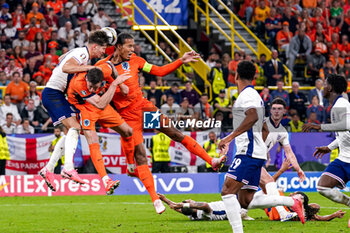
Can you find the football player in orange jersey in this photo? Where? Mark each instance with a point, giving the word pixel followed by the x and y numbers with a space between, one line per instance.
pixel 89 94
pixel 132 106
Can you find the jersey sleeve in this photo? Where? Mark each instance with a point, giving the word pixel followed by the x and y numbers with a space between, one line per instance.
pixel 284 140
pixel 106 69
pixel 250 101
pixel 81 57
pixel 81 91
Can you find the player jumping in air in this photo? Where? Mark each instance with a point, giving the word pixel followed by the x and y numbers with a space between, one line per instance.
pixel 60 111
pixel 337 174
pixel 89 94
pixel 132 106
pixel 243 175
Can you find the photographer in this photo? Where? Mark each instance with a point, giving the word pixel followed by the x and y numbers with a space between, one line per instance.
pixel 211 147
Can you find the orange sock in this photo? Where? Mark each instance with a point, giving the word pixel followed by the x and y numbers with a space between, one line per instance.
pixel 193 147
pixel 146 178
pixel 97 159
pixel 128 149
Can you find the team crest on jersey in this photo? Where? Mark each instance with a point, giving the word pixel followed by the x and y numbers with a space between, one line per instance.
pixel 103 83
pixel 86 123
pixel 83 56
pixel 83 92
pixel 125 66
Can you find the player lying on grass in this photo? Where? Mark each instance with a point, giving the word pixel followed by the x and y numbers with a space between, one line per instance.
pixel 337 173
pixel 60 111
pixel 277 133
pixel 132 106
pixel 311 209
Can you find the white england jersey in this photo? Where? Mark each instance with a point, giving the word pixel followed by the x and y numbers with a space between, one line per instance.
pixel 249 143
pixel 59 79
pixel 276 134
pixel 218 212
pixel 340 122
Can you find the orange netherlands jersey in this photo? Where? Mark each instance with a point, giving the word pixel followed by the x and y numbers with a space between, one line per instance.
pixel 133 66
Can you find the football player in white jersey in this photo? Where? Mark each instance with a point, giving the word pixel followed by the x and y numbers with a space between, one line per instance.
pixel 243 175
pixel 337 173
pixel 59 109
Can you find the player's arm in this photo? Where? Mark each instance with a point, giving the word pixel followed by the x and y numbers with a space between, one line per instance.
pixel 101 102
pixel 72 66
pixel 342 125
pixel 338 214
pixel 124 89
pixel 193 205
pixel 171 67
pixel 293 160
pixel 265 131
pixel 284 167
pixel 247 123
pixel 322 150
pixel 168 202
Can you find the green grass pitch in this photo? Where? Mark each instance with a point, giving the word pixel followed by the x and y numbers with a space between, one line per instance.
pixel 136 214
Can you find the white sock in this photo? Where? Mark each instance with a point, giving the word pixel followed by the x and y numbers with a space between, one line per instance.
pixel 244 211
pixel 265 201
pixel 233 208
pixel 56 154
pixel 70 147
pixel 271 190
pixel 334 194
pixel 104 179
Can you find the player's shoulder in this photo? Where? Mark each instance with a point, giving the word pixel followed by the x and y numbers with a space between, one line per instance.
pixel 103 60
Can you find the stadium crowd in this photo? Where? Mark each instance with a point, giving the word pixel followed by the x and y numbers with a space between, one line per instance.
pixel 312 33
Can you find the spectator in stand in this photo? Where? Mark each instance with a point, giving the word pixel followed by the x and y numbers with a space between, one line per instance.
pixel 90 7
pixel 283 38
pixel 345 30
pixel 55 5
pixel 203 110
pixel 31 70
pixel 84 31
pixel 52 52
pixel 295 125
pixel 81 16
pixel 19 57
pixel 216 77
pixel 261 14
pixel 32 30
pixel 320 35
pixel 9 127
pixel 345 46
pixel 156 93
pixel 102 19
pixel 40 44
pixel 318 18
pixel 46 30
pixel 35 116
pixel 346 70
pixel 73 6
pixel 313 119
pixel 34 94
pixel 174 92
pixel 272 26
pixel 334 43
pixel 10 31
pixel 21 41
pixel 329 69
pixel 12 68
pixel 316 108
pixel 280 92
pixel 51 18
pixel 25 128
pixel 315 62
pixel 4 151
pixel 3 81
pixel 291 19
pixel 185 109
pixel 211 147
pixel 18 90
pixel 4 59
pixel 222 105
pixel 38 77
pixel 225 61
pixel 266 97
pixel 34 55
pixel 337 61
pixel 159 151
pixel 299 47
pixel 317 91
pixel 190 94
pixel 5 43
pixel 273 69
pixel 297 100
pixel 8 107
pixel 67 17
pixel 261 79
pixel 212 58
pixel 34 13
pixel 336 10
pixel 4 15
pixel 170 108
pixel 19 17
pixel 66 34
pixel 232 67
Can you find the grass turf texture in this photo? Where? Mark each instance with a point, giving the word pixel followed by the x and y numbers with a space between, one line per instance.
pixel 136 214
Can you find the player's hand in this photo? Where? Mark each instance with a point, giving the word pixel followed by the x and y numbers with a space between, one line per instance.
pixel 301 175
pixel 321 151
pixel 309 126
pixel 190 57
pixel 223 147
pixel 340 213
pixel 175 206
pixel 121 78
pixel 285 165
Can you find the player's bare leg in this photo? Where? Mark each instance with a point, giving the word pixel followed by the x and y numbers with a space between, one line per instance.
pixel 96 157
pixel 326 187
pixel 268 184
pixel 192 146
pixel 146 177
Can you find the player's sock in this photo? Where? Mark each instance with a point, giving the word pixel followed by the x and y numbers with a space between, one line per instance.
pixel 70 147
pixel 104 180
pixel 233 209
pixel 96 158
pixel 193 147
pixel 265 201
pixel 128 147
pixel 146 178
pixel 56 154
pixel 334 194
pixel 271 190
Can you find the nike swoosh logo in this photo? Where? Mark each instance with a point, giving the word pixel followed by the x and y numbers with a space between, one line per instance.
pixel 3 186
